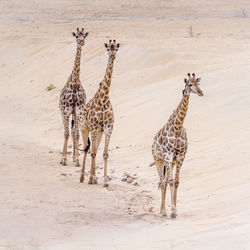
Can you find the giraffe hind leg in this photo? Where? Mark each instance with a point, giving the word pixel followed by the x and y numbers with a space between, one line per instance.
pixel 66 137
pixel 73 136
pixel 86 144
pixel 92 178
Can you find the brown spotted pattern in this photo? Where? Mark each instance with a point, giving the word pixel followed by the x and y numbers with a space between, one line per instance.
pixel 72 101
pixel 98 118
pixel 170 146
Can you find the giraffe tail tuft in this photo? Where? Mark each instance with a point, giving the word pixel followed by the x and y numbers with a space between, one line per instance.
pixel 152 164
pixel 88 146
pixel 72 124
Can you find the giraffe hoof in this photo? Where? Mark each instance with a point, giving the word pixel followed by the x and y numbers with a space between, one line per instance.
pixel 173 216
pixel 163 213
pixel 106 185
pixel 81 179
pixel 77 165
pixel 92 181
pixel 63 163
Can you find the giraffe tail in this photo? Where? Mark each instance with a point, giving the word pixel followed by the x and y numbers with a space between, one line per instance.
pixel 72 124
pixel 72 129
pixel 152 164
pixel 87 147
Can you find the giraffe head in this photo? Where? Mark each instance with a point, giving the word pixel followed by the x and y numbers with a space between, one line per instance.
pixel 112 48
pixel 80 36
pixel 192 85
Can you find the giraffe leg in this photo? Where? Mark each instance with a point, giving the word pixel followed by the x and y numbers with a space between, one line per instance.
pixel 76 142
pixel 92 178
pixel 162 171
pixel 66 137
pixel 73 136
pixel 98 139
pixel 166 177
pixel 85 136
pixel 176 183
pixel 105 157
pixel 163 191
pixel 171 184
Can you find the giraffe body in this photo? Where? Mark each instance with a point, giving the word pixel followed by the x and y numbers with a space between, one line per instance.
pixel 72 101
pixel 170 146
pixel 98 118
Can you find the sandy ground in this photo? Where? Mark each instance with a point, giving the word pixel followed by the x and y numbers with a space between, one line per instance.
pixel 43 205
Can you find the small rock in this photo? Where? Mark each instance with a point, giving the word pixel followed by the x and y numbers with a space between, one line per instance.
pixel 63 174
pixel 130 179
pixel 51 152
pixel 112 171
pixel 124 179
pixel 81 206
pixel 109 178
pixel 151 209
pixel 117 147
pixel 136 184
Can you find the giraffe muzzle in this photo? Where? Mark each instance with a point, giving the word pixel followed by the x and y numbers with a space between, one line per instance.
pixel 200 93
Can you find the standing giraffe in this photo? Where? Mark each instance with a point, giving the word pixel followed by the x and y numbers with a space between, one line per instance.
pixel 72 101
pixel 98 118
pixel 170 145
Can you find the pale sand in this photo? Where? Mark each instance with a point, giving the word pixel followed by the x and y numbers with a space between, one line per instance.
pixel 43 205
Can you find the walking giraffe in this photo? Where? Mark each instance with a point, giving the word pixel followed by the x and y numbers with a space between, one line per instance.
pixel 170 145
pixel 98 118
pixel 72 101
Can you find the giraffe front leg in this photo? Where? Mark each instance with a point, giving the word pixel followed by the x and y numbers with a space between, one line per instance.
pixel 105 157
pixel 92 178
pixel 66 137
pixel 176 183
pixel 171 184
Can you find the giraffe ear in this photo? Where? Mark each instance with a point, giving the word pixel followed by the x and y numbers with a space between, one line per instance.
pixel 198 79
pixel 105 45
pixel 186 80
pixel 86 34
pixel 73 33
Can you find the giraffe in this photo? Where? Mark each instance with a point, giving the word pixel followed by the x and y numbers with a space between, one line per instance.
pixel 98 118
pixel 170 146
pixel 72 100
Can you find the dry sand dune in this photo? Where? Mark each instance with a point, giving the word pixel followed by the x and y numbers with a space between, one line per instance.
pixel 43 205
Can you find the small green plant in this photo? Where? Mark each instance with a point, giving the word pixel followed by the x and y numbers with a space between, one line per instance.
pixel 50 87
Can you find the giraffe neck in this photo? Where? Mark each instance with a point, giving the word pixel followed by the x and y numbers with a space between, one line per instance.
pixel 75 75
pixel 181 111
pixel 106 82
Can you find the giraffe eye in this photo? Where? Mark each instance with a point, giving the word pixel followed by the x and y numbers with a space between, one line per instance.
pixel 76 36
pixel 108 49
